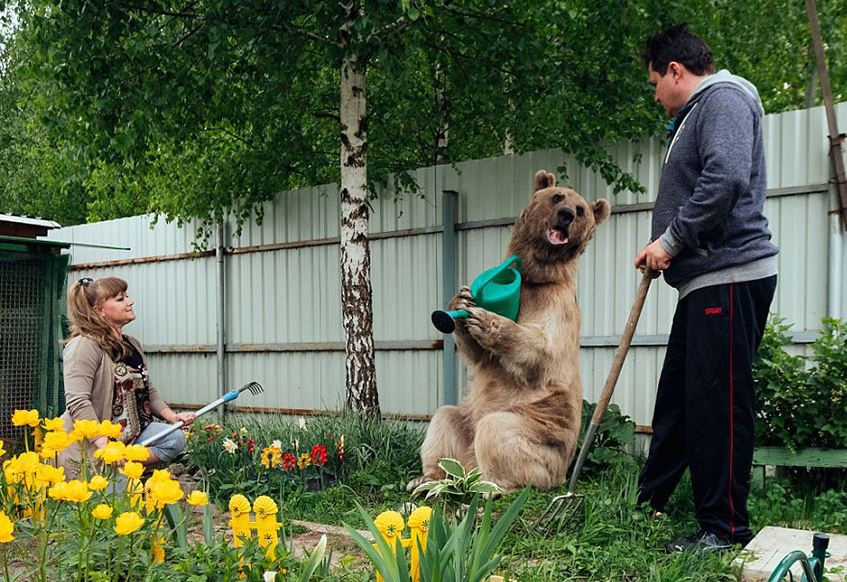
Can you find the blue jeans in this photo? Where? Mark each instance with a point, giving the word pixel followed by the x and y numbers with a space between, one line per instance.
pixel 167 448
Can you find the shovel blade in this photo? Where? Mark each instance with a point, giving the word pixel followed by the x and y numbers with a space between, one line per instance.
pixel 561 510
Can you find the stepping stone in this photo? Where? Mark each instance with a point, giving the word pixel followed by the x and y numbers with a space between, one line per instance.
pixel 762 555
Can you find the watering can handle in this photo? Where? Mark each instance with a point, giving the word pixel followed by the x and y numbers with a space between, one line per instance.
pixel 478 283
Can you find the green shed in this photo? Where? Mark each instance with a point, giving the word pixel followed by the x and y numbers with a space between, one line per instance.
pixel 33 275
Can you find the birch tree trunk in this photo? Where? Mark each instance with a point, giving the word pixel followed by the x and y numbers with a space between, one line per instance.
pixel 356 291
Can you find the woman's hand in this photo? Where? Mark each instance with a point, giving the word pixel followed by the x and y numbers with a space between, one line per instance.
pixel 186 418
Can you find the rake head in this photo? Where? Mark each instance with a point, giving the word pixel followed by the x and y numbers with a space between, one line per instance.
pixel 253 387
pixel 559 512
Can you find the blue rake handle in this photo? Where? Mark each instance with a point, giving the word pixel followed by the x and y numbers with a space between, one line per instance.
pixel 254 387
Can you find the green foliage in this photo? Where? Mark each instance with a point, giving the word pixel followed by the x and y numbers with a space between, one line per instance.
pixel 466 551
pixel 378 456
pixel 615 433
pixel 802 400
pixel 458 485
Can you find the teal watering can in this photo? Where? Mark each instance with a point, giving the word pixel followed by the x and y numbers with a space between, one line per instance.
pixel 497 289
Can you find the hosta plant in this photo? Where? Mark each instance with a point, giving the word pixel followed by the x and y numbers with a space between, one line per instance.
pixel 458 487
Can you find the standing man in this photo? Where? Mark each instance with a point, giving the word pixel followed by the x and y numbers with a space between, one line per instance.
pixel 711 242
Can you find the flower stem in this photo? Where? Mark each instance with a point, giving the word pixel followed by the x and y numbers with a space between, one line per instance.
pixel 6 563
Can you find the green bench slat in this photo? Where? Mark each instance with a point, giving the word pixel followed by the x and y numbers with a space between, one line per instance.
pixel 829 458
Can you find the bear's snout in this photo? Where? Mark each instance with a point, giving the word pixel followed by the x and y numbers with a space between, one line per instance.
pixel 566 217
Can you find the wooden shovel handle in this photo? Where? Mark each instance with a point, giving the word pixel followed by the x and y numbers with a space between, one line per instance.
pixel 612 379
pixel 623 348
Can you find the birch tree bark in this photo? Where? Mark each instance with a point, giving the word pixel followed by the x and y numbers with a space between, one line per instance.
pixel 356 290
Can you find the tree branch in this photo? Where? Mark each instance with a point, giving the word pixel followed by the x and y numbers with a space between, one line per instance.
pixel 173 14
pixel 302 32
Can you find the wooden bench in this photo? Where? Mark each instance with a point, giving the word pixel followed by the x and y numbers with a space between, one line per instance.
pixel 810 457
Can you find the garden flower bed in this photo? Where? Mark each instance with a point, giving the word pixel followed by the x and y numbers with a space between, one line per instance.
pixel 351 471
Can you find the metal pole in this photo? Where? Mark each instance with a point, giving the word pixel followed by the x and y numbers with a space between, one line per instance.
pixel 835 138
pixel 449 209
pixel 221 311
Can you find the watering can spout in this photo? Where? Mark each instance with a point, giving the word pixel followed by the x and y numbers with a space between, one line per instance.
pixel 497 289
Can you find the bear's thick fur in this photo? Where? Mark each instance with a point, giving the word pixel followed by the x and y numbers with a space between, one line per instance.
pixel 521 420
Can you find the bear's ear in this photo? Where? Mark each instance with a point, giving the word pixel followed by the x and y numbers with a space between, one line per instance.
pixel 544 179
pixel 602 210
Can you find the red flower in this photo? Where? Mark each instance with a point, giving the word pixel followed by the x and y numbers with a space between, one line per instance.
pixel 288 462
pixel 251 444
pixel 319 455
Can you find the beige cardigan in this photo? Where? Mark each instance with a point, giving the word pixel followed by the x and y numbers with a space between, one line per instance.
pixel 89 390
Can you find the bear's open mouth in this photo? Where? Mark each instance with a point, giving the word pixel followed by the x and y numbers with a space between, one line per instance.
pixel 557 236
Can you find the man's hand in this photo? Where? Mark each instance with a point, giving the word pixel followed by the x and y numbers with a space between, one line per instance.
pixel 653 257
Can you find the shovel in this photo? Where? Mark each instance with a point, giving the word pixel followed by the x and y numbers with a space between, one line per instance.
pixel 563 507
pixel 253 387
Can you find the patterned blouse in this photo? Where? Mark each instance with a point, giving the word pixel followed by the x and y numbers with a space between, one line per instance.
pixel 131 403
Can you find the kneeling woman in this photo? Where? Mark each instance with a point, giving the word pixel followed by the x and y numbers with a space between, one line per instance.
pixel 106 376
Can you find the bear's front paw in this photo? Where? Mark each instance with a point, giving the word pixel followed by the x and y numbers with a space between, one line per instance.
pixel 462 300
pixel 484 326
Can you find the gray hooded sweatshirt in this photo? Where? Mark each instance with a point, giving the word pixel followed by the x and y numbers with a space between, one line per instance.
pixel 708 212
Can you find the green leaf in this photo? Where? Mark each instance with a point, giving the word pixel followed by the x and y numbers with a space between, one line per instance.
pixel 452 467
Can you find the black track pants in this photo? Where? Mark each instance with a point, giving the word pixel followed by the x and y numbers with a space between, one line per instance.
pixel 703 419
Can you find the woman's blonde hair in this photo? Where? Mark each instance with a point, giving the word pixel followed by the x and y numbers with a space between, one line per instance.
pixel 83 296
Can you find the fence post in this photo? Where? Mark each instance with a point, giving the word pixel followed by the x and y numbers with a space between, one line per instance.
pixel 449 209
pixel 220 339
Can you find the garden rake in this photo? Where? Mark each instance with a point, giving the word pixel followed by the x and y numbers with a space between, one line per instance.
pixel 253 387
pixel 562 508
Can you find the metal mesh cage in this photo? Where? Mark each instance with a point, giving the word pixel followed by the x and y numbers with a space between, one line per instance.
pixel 31 307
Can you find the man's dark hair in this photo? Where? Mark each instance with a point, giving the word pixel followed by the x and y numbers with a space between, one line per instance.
pixel 678 44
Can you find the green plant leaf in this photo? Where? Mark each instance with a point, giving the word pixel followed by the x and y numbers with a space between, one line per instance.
pixel 453 468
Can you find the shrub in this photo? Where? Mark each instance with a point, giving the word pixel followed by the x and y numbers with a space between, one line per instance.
pixel 615 433
pixel 802 401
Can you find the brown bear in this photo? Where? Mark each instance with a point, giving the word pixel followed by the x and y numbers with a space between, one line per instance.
pixel 521 420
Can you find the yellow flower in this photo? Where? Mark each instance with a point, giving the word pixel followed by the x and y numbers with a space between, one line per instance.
pixel 57 440
pixel 390 524
pixel 98 483
pixel 137 453
pixel 78 491
pixel 133 470
pixel 6 529
pixel 54 423
pixel 47 454
pixel 102 511
pixel 25 418
pixel 165 492
pixel 239 505
pixel 75 436
pixel 89 429
pixel 264 506
pixel 110 430
pixel 26 463
pixel 128 522
pixel 2 450
pixel 59 491
pixel 304 460
pixel 49 474
pixel 271 457
pixel 113 452
pixel 157 550
pixel 419 518
pixel 198 498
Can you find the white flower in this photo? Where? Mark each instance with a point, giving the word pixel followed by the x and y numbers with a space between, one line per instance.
pixel 269 576
pixel 277 444
pixel 230 446
pixel 301 422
